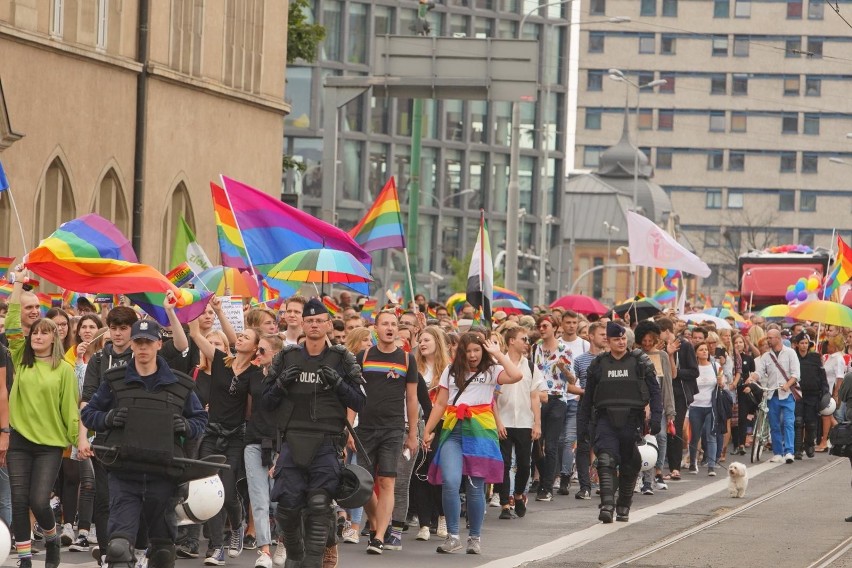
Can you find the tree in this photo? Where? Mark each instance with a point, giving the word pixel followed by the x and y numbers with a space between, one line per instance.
pixel 745 231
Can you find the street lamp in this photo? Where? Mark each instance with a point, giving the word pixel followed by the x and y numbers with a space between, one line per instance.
pixel 618 75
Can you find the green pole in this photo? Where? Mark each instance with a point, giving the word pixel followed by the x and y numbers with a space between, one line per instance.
pixel 414 183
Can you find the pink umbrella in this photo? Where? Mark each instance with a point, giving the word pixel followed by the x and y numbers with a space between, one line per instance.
pixel 580 304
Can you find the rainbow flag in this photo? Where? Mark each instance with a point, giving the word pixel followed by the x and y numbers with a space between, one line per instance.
pixel 381 227
pixel 479 443
pixel 5 290
pixel 44 302
pixel 69 297
pixel 232 249
pixel 501 293
pixel 180 274
pixel 431 312
pixel 272 230
pixel 731 300
pixel 841 271
pixel 663 295
pixel 368 310
pixel 5 264
pixel 396 292
pixel 55 300
pixel 669 277
pixel 332 307
pixel 269 296
pixel 194 303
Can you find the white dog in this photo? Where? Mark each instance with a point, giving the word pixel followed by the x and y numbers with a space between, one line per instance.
pixel 737 480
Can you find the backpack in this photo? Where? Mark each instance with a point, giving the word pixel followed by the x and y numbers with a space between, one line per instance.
pixel 841 440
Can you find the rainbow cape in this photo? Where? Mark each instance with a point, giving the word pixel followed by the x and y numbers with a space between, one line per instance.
pixel 381 227
pixel 480 445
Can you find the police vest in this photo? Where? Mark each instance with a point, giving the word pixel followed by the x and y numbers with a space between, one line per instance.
pixel 812 372
pixel 314 408
pixel 620 385
pixel 146 443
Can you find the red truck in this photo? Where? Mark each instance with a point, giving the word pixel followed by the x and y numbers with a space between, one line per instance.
pixel 765 274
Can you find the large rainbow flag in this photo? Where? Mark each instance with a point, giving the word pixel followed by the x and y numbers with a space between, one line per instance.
pixel 841 271
pixel 381 227
pixel 231 245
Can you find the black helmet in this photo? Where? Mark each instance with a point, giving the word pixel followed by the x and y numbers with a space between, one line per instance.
pixel 356 487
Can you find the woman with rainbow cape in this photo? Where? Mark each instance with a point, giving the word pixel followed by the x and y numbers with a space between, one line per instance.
pixel 468 443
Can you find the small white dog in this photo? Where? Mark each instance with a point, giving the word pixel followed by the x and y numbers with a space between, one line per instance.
pixel 737 480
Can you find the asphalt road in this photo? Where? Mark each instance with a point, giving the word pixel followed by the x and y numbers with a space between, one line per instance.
pixel 792 515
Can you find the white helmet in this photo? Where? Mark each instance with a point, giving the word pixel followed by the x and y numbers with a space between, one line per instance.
pixel 830 408
pixel 200 500
pixel 5 542
pixel 648 452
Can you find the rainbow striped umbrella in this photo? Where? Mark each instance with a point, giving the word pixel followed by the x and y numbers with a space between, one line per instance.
pixel 501 293
pixel 221 279
pixel 321 266
pixel 724 313
pixel 776 311
pixel 456 301
pixel 511 306
pixel 823 311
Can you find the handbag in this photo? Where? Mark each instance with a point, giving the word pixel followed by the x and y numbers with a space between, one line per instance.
pixel 841 440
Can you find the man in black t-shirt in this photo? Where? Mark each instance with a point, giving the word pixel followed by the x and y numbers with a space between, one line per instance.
pixel 390 376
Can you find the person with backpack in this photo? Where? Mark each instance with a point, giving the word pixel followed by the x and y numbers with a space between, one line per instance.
pixel 468 443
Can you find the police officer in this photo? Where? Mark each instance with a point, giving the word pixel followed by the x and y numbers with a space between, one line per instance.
pixel 813 385
pixel 143 412
pixel 619 385
pixel 313 385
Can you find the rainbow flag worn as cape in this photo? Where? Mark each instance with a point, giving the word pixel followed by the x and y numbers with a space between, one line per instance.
pixel 480 445
pixel 381 227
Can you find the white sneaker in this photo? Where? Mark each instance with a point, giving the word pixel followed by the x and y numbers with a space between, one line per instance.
pixel 67 536
pixel 638 487
pixel 442 527
pixel 776 459
pixel 495 500
pixel 351 536
pixel 263 560
pixel 789 458
pixel 280 555
pixel 423 534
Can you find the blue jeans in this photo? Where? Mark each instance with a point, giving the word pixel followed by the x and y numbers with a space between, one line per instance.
pixel 782 416
pixel 701 425
pixel 569 437
pixel 5 497
pixel 259 486
pixel 648 476
pixel 451 472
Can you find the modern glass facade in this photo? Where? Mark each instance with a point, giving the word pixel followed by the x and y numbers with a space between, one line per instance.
pixel 465 156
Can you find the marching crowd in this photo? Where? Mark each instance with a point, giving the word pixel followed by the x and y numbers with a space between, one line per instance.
pixel 455 416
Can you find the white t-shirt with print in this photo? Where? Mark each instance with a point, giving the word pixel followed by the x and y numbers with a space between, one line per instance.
pixel 479 391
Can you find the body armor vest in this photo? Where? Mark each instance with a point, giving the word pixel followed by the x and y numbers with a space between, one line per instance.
pixel 314 408
pixel 812 372
pixel 620 384
pixel 146 443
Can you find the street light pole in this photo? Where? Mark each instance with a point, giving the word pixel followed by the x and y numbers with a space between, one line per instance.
pixel 610 229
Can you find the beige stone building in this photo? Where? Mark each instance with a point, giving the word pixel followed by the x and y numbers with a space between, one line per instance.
pixel 207 98
pixel 741 135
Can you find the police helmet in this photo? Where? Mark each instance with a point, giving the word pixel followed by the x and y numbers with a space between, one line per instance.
pixel 5 542
pixel 200 500
pixel 356 487
pixel 648 452
pixel 827 405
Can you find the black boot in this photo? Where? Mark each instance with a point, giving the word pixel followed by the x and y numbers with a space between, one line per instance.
pixel 27 561
pixel 626 483
pixel 317 525
pixel 290 525
pixel 51 549
pixel 606 479
pixel 565 484
pixel 798 433
pixel 162 554
pixel 810 438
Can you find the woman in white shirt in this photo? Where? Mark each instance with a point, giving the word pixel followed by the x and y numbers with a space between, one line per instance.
pixel 468 443
pixel 701 419
pixel 835 368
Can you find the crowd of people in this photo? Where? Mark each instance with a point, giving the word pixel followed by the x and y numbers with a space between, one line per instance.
pixel 450 417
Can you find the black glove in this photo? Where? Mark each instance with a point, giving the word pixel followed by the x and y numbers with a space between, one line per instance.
pixel 330 377
pixel 285 379
pixel 656 426
pixel 116 418
pixel 180 424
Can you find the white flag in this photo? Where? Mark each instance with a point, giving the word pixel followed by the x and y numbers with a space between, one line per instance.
pixel 651 246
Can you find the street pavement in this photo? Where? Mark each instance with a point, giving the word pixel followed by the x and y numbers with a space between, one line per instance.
pixel 792 515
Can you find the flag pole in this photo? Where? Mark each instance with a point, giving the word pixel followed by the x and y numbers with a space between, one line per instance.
pixel 410 279
pixel 237 223
pixel 18 217
pixel 830 252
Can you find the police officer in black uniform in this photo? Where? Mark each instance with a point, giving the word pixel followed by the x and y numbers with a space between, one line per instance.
pixel 813 385
pixel 143 412
pixel 619 385
pixel 313 385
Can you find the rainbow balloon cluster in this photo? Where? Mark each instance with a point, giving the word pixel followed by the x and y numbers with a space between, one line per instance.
pixel 803 289
pixel 803 249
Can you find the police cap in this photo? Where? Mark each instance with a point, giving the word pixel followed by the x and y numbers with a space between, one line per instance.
pixel 615 330
pixel 146 329
pixel 314 307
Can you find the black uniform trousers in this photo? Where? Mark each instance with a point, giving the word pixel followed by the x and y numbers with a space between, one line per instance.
pixel 293 483
pixel 137 496
pixel 620 443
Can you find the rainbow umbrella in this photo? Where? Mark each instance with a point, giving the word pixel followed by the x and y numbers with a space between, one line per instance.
pixel 700 318
pixel 321 266
pixel 823 311
pixel 219 279
pixel 724 313
pixel 456 301
pixel 511 306
pixel 776 311
pixel 501 293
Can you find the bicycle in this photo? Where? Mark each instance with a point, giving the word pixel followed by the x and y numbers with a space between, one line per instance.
pixel 760 434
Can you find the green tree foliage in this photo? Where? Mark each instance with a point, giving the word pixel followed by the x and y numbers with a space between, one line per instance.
pixel 303 37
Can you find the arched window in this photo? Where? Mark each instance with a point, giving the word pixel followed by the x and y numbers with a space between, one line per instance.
pixel 110 203
pixel 55 201
pixel 178 205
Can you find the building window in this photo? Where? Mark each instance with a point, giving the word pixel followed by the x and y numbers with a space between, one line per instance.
pixel 670 8
pixel 717 121
pixel 791 86
pixel 788 162
pixel 57 17
pixel 786 200
pixel 593 119
pixel 187 26
pixel 356 46
pixel 810 165
pixel 180 205
pixel 790 123
pixel 715 159
pixel 669 86
pixel 739 121
pixel 665 119
pixel 668 44
pixel 592 156
pixel 793 47
pixel 648 8
pixel 815 46
pixel 110 203
pixel 596 42
pixel 741 45
pixel 711 238
pixel 664 158
pixel 713 199
pixel 646 119
pixel 816 9
pixel 721 8
pixel 807 201
pixel 794 9
pixel 742 9
pixel 597 7
pixel 55 201
pixel 243 49
pixel 811 124
pixel 806 237
pixel 735 199
pixel 646 43
pixel 595 80
pixel 736 161
pixel 720 46
pixel 813 86
pixel 739 84
pixel 734 238
pixel 718 84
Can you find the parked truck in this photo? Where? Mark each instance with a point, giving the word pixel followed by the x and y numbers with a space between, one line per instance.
pixel 765 274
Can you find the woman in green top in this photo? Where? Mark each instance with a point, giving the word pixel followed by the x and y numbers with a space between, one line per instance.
pixel 44 419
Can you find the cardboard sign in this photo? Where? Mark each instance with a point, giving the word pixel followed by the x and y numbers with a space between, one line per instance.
pixel 232 307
